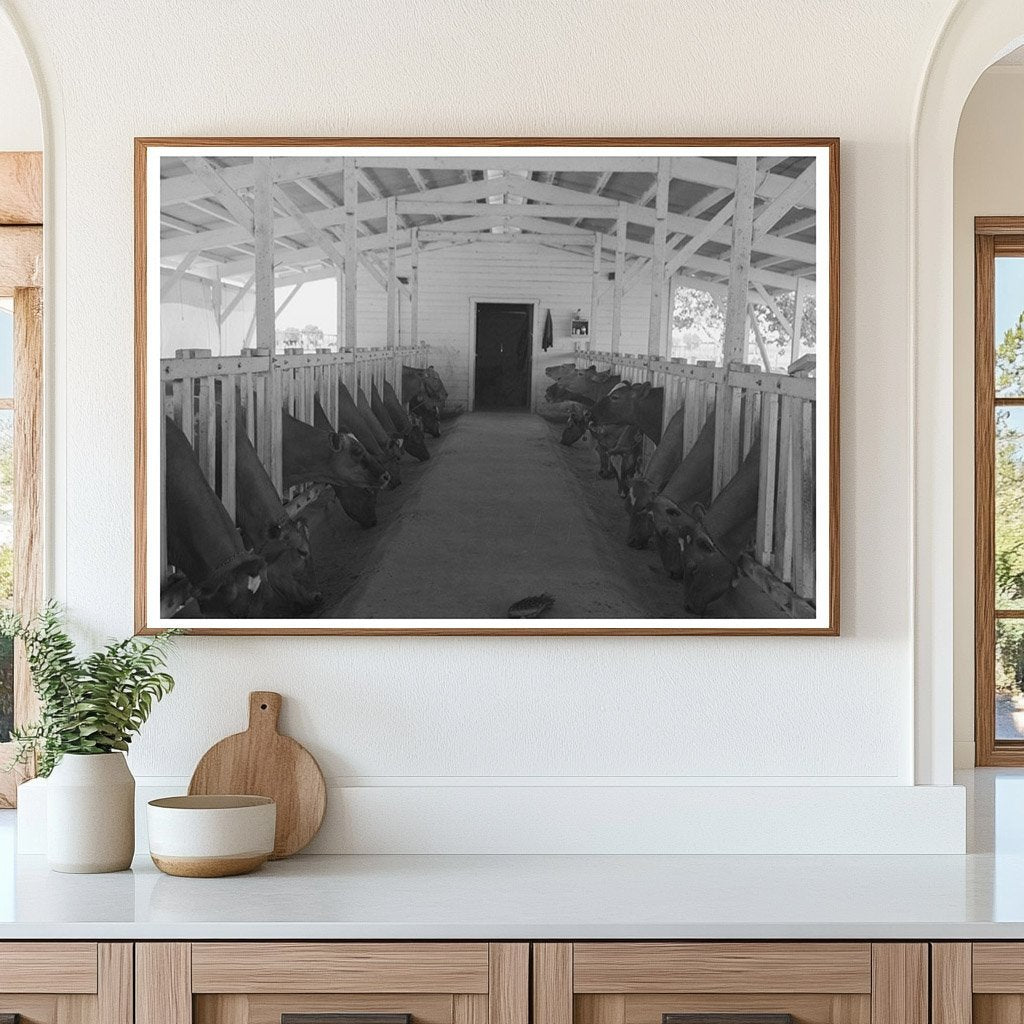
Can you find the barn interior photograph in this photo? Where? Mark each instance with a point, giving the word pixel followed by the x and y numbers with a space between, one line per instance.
pixel 451 290
pixel 511 514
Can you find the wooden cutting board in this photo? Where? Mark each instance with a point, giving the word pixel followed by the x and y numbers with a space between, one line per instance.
pixel 262 762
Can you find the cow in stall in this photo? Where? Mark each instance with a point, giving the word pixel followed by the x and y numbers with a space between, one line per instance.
pixel 412 432
pixel 712 539
pixel 712 547
pixel 643 489
pixel 267 529
pixel 671 511
pixel 424 395
pixel 310 455
pixel 391 443
pixel 638 404
pixel 584 386
pixel 352 421
pixel 359 503
pixel 202 542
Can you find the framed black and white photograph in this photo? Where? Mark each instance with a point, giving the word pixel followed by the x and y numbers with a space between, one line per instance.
pixel 487 386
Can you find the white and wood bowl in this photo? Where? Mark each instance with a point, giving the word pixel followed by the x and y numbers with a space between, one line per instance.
pixel 211 836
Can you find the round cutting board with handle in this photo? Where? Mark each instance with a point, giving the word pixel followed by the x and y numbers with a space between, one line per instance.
pixel 262 762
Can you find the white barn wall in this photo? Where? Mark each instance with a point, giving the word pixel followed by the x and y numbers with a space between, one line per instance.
pixel 444 715
pixel 450 279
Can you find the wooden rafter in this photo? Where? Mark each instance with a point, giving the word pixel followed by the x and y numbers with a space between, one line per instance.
pixel 210 176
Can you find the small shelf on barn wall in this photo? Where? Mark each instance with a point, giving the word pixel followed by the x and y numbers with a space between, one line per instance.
pixel 579 327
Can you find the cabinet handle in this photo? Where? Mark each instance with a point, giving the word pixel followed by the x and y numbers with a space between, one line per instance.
pixel 727 1018
pixel 334 1018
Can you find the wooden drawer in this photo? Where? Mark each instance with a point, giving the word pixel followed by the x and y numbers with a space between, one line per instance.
pixel 66 982
pixel 981 982
pixel 260 982
pixel 812 982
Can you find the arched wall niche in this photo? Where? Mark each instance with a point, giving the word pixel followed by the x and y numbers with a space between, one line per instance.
pixel 976 34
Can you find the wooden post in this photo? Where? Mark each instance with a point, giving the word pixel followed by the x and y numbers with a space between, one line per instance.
pixel 595 284
pixel 266 320
pixel 798 319
pixel 339 301
pixel 351 259
pixel 28 483
pixel 735 335
pixel 414 284
pixel 669 310
pixel 656 322
pixel 392 339
pixel 620 273
pixel 217 302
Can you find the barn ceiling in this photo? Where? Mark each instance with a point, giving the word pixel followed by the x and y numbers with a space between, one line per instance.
pixel 206 203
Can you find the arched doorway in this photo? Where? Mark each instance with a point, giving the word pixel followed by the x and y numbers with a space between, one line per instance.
pixel 976 34
pixel 21 144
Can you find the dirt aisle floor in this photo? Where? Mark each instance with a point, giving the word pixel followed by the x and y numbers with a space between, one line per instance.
pixel 498 515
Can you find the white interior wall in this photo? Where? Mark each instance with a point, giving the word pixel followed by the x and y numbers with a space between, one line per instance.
pixel 21 126
pixel 987 182
pixel 673 711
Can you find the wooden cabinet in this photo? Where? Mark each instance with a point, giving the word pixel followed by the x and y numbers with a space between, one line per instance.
pixel 66 982
pixel 263 982
pixel 978 983
pixel 752 982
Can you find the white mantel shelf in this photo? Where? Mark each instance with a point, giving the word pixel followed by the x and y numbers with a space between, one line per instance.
pixel 541 897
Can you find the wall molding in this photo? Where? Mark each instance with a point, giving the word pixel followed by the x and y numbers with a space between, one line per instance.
pixel 610 819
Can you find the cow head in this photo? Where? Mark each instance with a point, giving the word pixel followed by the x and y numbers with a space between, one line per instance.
pixel 415 444
pixel 359 503
pixel 559 372
pixel 575 427
pixel 639 498
pixel 428 413
pixel 670 524
pixel 708 572
pixel 621 404
pixel 434 386
pixel 350 465
pixel 291 583
pixel 235 591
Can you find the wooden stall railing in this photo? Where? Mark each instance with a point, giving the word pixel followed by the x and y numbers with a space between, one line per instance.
pixel 200 392
pixel 749 403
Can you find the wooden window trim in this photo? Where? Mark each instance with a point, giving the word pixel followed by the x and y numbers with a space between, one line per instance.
pixel 21 262
pixel 993 236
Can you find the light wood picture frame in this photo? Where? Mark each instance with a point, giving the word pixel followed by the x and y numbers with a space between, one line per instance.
pixel 457 274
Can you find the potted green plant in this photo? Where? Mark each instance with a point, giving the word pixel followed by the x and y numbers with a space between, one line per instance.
pixel 90 708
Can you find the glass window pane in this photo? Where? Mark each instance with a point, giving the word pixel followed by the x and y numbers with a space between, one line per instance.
pixel 6 566
pixel 1009 318
pixel 6 353
pixel 1009 531
pixel 1009 679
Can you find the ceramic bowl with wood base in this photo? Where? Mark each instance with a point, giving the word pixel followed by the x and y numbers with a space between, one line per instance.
pixel 211 836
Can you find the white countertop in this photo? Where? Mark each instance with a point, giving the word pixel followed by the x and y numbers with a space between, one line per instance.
pixel 496 897
pixel 977 896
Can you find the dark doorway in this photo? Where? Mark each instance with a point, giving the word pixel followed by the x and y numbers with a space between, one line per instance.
pixel 504 343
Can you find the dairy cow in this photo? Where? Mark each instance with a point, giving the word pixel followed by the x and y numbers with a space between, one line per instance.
pixel 425 395
pixel 350 419
pixel 671 511
pixel 713 545
pixel 359 503
pixel 325 457
pixel 637 404
pixel 411 432
pixel 266 527
pixel 202 542
pixel 645 488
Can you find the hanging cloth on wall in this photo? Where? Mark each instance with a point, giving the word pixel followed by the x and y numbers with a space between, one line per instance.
pixel 549 333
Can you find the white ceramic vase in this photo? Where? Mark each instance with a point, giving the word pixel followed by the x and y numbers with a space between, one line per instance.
pixel 90 814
